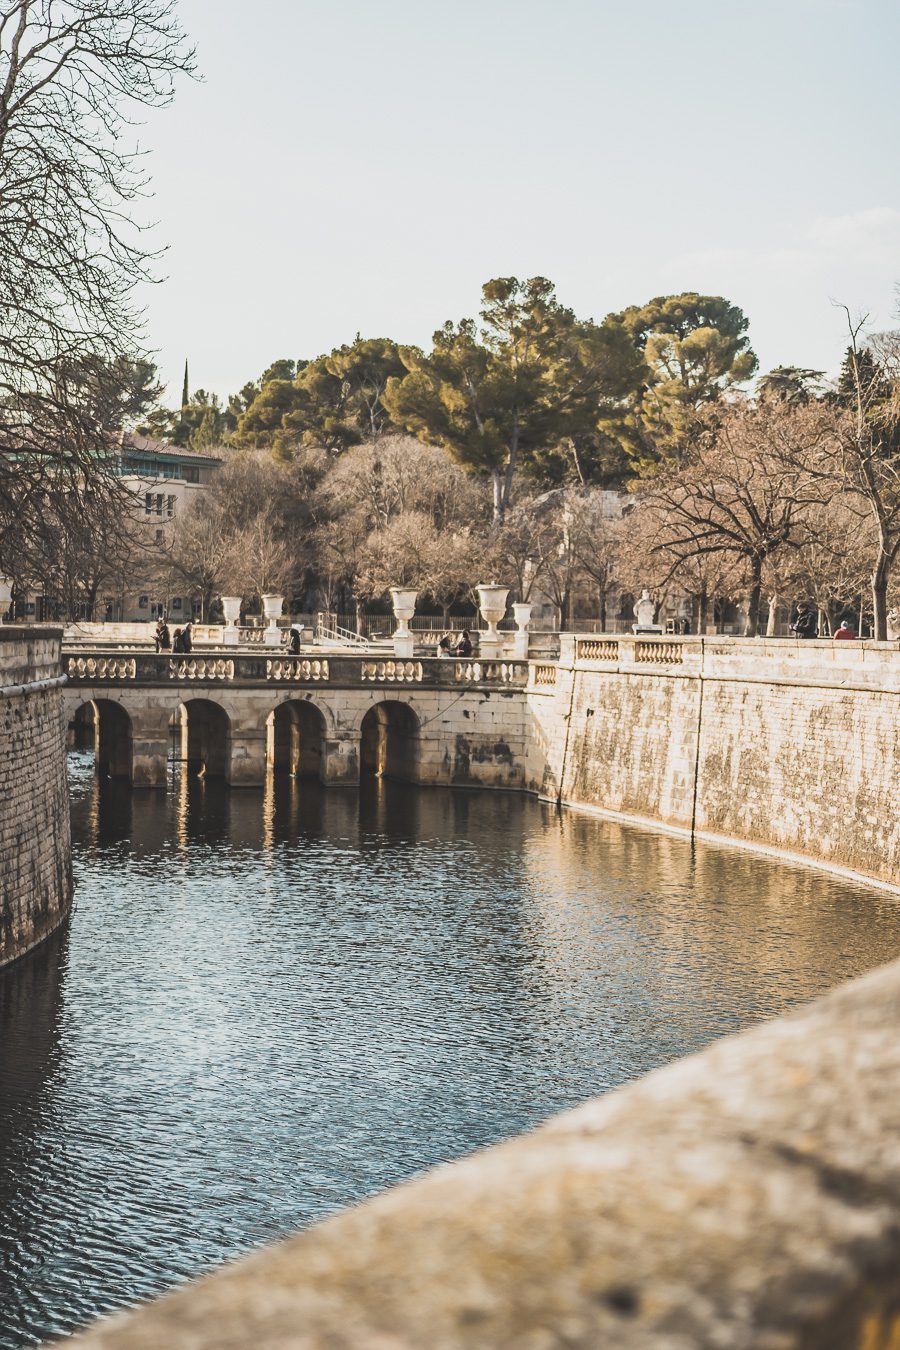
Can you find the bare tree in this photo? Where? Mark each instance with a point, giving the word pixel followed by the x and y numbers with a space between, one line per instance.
pixel 747 487
pixel 72 75
pixel 868 458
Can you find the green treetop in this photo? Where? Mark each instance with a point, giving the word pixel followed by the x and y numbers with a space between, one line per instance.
pixel 501 396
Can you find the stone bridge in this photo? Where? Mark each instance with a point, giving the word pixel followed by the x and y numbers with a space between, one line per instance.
pixel 233 715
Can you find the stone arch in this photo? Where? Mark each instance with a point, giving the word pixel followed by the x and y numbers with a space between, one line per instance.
pixel 205 738
pixel 390 742
pixel 295 739
pixel 113 736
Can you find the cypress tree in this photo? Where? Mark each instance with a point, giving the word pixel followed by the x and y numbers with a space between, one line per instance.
pixel 185 396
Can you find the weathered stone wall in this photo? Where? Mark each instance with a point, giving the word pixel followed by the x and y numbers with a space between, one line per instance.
pixel 792 746
pixel 748 1197
pixel 35 866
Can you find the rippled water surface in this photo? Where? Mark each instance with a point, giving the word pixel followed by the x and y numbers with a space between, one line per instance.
pixel 269 1005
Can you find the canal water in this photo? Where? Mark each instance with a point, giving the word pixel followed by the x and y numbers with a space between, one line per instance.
pixel 269 1005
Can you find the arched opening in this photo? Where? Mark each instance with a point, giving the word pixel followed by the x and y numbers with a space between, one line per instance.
pixel 205 738
pixel 295 740
pixel 105 727
pixel 389 743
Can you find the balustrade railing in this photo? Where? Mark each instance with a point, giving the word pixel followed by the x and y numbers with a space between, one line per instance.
pixel 659 653
pixel 400 672
pixel 491 672
pixel 544 676
pixel 260 668
pixel 597 649
pixel 200 668
pixel 295 669
pixel 101 668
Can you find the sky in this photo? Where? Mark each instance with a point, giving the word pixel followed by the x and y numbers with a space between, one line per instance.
pixel 358 167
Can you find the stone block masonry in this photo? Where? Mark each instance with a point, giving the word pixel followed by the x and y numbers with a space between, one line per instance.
pixel 35 864
pixel 782 745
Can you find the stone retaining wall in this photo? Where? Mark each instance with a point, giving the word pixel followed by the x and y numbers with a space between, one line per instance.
pixel 748 1198
pixel 35 865
pixel 784 745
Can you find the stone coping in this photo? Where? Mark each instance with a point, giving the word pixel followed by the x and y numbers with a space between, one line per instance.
pixel 747 1198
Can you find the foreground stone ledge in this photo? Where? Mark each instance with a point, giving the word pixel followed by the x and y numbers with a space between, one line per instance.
pixel 748 1197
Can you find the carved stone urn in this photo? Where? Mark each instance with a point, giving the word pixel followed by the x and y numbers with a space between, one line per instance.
pixel 522 616
pixel 492 603
pixel 272 607
pixel 5 596
pixel 231 605
pixel 404 603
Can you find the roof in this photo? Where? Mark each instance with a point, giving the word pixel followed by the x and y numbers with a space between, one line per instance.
pixel 132 444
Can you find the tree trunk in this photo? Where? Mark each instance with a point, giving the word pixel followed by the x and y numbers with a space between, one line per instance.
pixel 751 628
pixel 497 496
pixel 879 598
pixel 602 609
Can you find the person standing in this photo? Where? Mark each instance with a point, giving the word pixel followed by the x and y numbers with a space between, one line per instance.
pixel 186 640
pixel 294 642
pixel 804 624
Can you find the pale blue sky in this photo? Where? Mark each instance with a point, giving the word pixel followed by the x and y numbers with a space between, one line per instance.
pixel 363 167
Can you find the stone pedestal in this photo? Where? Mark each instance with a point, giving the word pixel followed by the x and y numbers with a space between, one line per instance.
pixel 522 615
pixel 492 603
pixel 404 603
pixel 272 605
pixel 231 604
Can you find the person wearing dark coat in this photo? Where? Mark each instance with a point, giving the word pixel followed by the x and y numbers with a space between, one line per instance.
pixel 294 642
pixel 186 642
pixel 178 642
pixel 464 646
pixel 163 638
pixel 804 624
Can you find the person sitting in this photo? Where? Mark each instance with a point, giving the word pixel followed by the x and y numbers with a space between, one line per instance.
pixel 846 630
pixel 804 624
pixel 294 642
pixel 178 642
pixel 464 646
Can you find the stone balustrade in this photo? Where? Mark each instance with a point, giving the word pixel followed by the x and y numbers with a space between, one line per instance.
pixel 246 668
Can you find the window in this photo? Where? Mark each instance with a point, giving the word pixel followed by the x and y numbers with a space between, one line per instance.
pixel 160 536
pixel 191 473
pixel 159 503
pixel 148 503
pixel 143 601
pixel 170 507
pixel 176 602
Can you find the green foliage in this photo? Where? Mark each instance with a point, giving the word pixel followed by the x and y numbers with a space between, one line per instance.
pixel 334 401
pixel 114 394
pixel 790 384
pixel 694 346
pixel 509 394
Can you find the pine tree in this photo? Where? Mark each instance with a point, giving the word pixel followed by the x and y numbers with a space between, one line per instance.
pixel 185 396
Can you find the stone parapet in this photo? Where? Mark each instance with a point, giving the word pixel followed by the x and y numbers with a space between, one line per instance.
pixel 748 1197
pixel 35 862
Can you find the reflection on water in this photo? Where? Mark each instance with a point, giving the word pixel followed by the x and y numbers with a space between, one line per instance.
pixel 270 1004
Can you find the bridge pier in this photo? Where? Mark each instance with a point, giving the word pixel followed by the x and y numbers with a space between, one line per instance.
pixel 150 747
pixel 340 761
pixel 246 760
